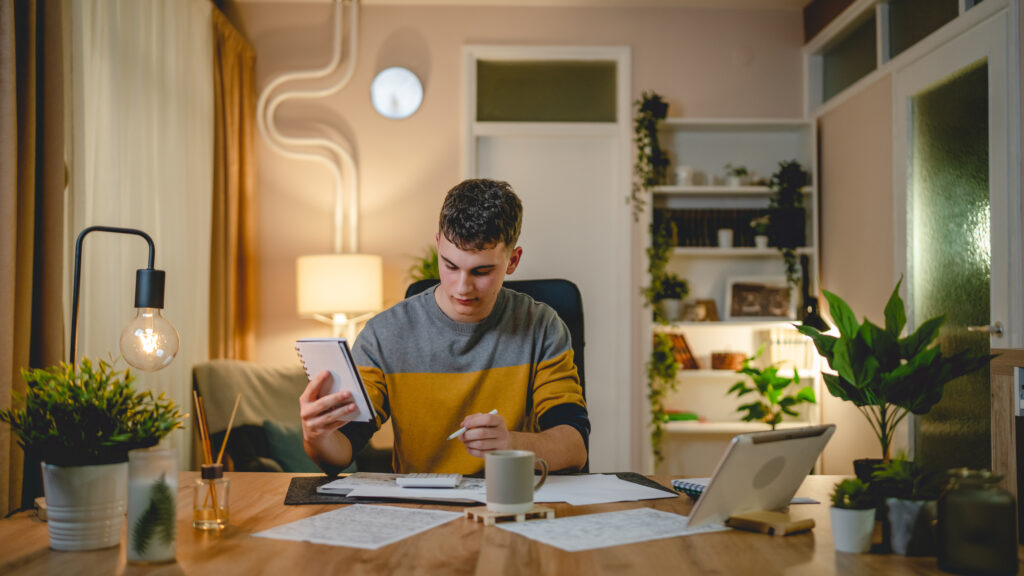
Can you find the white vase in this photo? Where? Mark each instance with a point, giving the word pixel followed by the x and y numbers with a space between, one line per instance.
pixel 734 181
pixel 152 504
pixel 684 175
pixel 85 505
pixel 761 241
pixel 725 238
pixel 851 529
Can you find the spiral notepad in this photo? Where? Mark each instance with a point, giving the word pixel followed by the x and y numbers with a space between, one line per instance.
pixel 692 487
pixel 333 355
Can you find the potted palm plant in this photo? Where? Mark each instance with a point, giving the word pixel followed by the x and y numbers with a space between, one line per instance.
pixel 885 376
pixel 82 421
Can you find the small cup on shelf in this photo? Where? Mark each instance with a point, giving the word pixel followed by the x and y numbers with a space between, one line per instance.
pixel 725 237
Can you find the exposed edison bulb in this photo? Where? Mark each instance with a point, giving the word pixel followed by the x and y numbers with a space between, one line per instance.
pixel 149 342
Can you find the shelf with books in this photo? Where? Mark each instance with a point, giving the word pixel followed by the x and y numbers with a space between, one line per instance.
pixel 734 252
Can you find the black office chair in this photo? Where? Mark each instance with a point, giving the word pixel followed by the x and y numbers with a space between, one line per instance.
pixel 562 295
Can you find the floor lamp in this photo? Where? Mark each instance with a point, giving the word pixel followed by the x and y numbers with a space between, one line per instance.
pixel 149 342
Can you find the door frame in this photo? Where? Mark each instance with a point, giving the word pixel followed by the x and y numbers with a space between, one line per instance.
pixel 996 40
pixel 627 390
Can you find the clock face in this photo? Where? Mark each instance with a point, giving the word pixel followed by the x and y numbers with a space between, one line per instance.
pixel 396 93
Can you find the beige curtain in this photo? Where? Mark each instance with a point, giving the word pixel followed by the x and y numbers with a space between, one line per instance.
pixel 31 216
pixel 233 250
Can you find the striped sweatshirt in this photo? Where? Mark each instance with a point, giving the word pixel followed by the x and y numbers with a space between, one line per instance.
pixel 426 372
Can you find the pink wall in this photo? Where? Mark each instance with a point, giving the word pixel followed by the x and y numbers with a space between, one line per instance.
pixel 857 247
pixel 706 62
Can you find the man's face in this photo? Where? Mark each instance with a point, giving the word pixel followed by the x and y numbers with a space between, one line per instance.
pixel 471 280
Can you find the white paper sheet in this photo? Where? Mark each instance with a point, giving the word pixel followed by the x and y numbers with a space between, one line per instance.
pixel 361 526
pixel 590 531
pixel 576 490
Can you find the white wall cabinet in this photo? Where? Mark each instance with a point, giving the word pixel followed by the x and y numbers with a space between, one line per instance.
pixel 698 207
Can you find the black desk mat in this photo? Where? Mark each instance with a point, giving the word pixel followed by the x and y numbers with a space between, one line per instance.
pixel 302 490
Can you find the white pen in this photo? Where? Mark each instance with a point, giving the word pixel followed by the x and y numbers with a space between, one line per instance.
pixel 462 430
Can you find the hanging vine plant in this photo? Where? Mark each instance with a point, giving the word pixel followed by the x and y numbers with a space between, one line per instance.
pixel 788 214
pixel 649 171
pixel 651 162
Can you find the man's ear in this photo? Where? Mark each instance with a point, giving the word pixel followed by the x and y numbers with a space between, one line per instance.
pixel 513 260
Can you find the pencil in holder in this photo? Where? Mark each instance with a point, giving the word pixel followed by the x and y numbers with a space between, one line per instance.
pixel 210 508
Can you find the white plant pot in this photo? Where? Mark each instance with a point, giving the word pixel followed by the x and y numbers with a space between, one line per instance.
pixel 670 309
pixel 734 181
pixel 761 241
pixel 85 505
pixel 851 529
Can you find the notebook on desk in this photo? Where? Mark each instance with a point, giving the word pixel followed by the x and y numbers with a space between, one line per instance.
pixel 759 471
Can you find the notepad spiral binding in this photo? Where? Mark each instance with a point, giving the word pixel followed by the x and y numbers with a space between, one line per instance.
pixel 303 361
pixel 691 489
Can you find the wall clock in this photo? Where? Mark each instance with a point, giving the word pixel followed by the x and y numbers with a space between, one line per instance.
pixel 396 93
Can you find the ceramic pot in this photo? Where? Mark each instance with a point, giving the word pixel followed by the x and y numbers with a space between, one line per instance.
pixel 152 509
pixel 725 237
pixel 85 505
pixel 911 522
pixel 761 241
pixel 670 309
pixel 851 529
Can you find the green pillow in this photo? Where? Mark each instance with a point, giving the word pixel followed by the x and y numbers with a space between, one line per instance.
pixel 285 446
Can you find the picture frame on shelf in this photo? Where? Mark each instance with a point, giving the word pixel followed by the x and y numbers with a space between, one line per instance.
pixel 759 298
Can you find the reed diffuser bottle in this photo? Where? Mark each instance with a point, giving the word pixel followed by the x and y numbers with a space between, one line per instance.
pixel 210 509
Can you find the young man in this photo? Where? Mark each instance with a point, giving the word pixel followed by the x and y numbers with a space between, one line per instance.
pixel 443 359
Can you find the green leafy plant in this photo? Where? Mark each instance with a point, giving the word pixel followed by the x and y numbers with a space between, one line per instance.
pixel 787 184
pixel 90 414
pixel 887 377
pixel 662 366
pixel 852 494
pixel 661 379
pixel 736 171
pixel 158 518
pixel 772 403
pixel 902 478
pixel 672 286
pixel 761 224
pixel 651 162
pixel 425 267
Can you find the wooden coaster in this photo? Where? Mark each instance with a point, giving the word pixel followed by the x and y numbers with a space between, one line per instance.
pixel 482 514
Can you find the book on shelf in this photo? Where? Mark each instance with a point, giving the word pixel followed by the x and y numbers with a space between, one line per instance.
pixel 681 350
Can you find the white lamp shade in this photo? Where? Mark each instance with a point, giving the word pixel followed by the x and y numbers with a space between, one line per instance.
pixel 339 283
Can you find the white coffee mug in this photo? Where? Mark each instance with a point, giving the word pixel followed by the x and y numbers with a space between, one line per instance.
pixel 508 475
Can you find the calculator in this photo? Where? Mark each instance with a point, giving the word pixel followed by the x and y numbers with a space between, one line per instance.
pixel 429 480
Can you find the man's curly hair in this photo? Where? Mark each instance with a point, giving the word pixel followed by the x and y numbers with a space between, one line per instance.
pixel 479 214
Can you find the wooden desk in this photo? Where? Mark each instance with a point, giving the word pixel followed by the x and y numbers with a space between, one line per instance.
pixel 459 547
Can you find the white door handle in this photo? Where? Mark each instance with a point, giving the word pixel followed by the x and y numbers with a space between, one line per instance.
pixel 995 329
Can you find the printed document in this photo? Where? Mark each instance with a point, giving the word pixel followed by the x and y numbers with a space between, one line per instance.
pixel 361 526
pixel 590 531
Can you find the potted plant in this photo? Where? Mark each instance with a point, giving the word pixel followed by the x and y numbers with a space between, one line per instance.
pixel 853 516
pixel 883 375
pixel 425 267
pixel 773 403
pixel 82 421
pixel 651 164
pixel 787 210
pixel 735 176
pixel 671 291
pixel 910 494
pixel 761 225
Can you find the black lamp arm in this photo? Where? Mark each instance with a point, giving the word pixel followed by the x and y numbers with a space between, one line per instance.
pixel 153 279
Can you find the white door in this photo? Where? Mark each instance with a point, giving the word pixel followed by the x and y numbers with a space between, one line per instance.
pixel 573 179
pixel 957 190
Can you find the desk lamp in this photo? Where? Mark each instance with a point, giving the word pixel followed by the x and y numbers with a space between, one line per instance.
pixel 149 342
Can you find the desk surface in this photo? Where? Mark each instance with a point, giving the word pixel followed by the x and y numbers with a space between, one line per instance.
pixel 458 547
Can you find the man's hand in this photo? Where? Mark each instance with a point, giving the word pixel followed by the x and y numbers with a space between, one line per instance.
pixel 321 416
pixel 484 433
